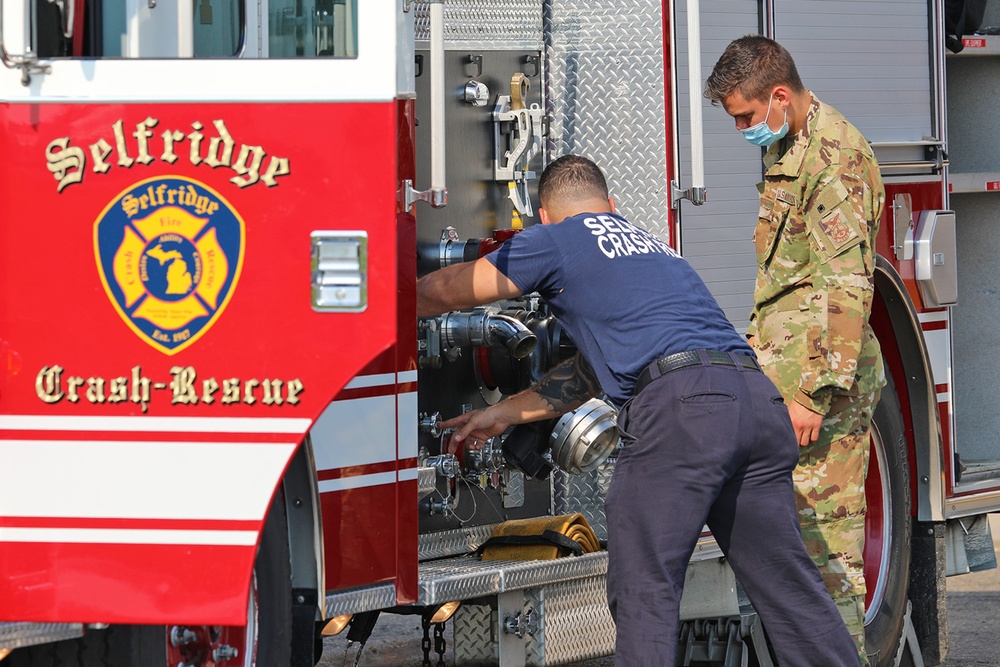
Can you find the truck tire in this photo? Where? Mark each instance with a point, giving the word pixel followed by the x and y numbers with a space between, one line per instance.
pixel 270 606
pixel 888 529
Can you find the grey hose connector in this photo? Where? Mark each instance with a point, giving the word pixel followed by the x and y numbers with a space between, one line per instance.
pixel 520 341
pixel 484 329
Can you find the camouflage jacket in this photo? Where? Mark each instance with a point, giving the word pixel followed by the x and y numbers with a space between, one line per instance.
pixel 820 203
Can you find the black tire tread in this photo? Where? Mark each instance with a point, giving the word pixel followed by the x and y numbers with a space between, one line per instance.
pixel 884 633
pixel 93 649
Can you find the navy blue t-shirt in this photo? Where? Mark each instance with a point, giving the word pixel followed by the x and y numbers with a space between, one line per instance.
pixel 624 296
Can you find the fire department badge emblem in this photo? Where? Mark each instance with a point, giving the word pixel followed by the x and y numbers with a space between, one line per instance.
pixel 169 252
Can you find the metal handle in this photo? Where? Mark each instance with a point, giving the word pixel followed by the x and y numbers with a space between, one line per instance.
pixel 905 144
pixel 917 164
pixel 28 64
pixel 696 194
pixel 10 62
pixel 437 194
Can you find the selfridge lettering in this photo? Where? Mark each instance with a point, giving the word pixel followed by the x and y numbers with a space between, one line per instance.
pixel 185 196
pixel 68 163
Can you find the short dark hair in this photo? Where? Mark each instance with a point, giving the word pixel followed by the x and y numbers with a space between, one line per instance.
pixel 752 66
pixel 571 177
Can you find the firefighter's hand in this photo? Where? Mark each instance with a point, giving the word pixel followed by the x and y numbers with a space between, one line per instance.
pixel 805 422
pixel 479 425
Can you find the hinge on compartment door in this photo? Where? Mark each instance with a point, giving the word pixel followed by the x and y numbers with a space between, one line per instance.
pixel 902 226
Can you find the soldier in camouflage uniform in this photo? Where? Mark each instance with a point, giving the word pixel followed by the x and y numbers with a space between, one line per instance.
pixel 820 203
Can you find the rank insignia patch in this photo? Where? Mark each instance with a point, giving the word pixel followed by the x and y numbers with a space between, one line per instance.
pixel 169 252
pixel 837 230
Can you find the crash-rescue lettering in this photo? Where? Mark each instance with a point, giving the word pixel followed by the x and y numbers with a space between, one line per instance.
pixel 68 163
pixel 616 237
pixel 53 385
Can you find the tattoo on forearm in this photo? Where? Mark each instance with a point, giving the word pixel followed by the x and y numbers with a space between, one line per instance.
pixel 568 384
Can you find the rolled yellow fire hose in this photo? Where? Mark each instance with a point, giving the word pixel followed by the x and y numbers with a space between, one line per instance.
pixel 541 538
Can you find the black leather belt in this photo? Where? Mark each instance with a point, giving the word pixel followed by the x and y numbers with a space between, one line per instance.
pixel 674 362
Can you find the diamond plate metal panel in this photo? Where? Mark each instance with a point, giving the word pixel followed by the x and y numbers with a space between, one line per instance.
pixel 474 640
pixel 513 489
pixel 574 622
pixel 365 598
pixel 426 481
pixel 19 635
pixel 605 98
pixel 484 24
pixel 452 542
pixel 468 577
pixel 584 494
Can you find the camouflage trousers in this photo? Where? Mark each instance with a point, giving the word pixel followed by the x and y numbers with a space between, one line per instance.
pixel 830 498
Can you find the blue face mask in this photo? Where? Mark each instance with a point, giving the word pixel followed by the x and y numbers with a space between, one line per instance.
pixel 761 134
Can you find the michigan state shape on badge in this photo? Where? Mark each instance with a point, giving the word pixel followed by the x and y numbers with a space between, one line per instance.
pixel 169 252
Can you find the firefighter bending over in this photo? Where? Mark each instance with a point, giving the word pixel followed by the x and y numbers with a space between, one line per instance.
pixel 706 437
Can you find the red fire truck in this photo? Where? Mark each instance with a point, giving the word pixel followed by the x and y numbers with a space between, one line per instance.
pixel 218 411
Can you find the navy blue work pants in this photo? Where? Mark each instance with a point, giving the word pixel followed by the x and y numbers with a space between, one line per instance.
pixel 713 445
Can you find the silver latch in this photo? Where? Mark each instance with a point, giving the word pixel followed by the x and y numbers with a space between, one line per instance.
pixel 339 271
pixel 521 624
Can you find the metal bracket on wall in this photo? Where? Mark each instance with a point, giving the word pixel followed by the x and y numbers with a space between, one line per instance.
pixel 696 196
pixel 408 196
pixel 534 61
pixel 477 60
pixel 902 226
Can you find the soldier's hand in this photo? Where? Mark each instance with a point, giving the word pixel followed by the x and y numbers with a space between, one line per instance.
pixel 805 422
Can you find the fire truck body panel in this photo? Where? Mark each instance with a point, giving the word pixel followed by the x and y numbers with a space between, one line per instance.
pixel 131 474
pixel 371 480
pixel 972 183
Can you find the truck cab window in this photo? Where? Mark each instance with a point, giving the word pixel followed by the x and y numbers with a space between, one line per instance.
pixel 308 28
pixel 213 29
pixel 218 27
pixel 50 42
pixel 197 28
